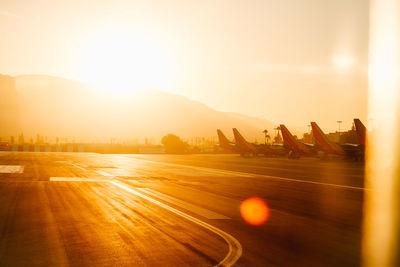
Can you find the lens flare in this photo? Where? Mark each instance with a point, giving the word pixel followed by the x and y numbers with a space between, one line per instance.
pixel 254 211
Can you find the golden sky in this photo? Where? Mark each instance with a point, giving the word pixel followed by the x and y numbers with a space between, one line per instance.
pixel 286 61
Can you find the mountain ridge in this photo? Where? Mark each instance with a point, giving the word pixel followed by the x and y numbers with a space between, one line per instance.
pixel 54 106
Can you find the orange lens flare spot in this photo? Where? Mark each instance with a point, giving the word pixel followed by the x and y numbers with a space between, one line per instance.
pixel 254 211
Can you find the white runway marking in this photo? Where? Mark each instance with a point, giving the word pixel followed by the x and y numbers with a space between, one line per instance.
pixel 317 183
pixel 235 248
pixel 11 169
pixel 77 179
pixel 104 173
pixel 180 203
pixel 244 174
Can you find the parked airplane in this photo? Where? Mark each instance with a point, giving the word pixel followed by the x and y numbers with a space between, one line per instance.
pixel 361 131
pixel 295 147
pixel 240 146
pixel 353 151
pixel 245 148
pixel 225 143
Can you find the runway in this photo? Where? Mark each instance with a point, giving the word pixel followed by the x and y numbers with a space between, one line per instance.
pixel 86 209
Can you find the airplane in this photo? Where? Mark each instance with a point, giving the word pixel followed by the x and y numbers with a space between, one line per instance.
pixel 353 151
pixel 225 143
pixel 244 147
pixel 295 147
pixel 361 131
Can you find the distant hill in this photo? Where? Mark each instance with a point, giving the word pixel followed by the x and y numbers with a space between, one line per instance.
pixel 9 107
pixel 53 106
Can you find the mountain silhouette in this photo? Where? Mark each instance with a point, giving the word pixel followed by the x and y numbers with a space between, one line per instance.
pixel 53 106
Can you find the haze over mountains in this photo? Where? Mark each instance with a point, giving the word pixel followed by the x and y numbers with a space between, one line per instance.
pixel 57 107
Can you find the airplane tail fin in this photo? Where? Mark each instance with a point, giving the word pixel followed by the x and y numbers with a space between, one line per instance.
pixel 361 131
pixel 292 143
pixel 239 139
pixel 287 136
pixel 242 143
pixel 223 141
pixel 323 140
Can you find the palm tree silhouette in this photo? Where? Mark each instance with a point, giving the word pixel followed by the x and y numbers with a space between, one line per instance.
pixel 266 135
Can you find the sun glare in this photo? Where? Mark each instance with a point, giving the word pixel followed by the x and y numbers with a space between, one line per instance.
pixel 343 62
pixel 124 62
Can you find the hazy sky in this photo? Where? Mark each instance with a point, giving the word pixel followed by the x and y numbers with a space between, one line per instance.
pixel 288 61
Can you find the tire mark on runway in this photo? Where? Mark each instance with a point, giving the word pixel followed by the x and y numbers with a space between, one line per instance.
pixel 235 248
pixel 180 203
pixel 77 166
pixel 118 202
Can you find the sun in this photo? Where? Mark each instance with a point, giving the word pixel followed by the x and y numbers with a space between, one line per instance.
pixel 125 62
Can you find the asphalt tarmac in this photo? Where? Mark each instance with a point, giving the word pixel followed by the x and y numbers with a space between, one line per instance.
pixel 84 209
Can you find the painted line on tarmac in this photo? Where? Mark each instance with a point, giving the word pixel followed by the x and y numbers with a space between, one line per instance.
pixel 11 169
pixel 218 171
pixel 183 204
pixel 76 179
pixel 180 203
pixel 104 173
pixel 235 248
pixel 312 182
pixel 244 174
